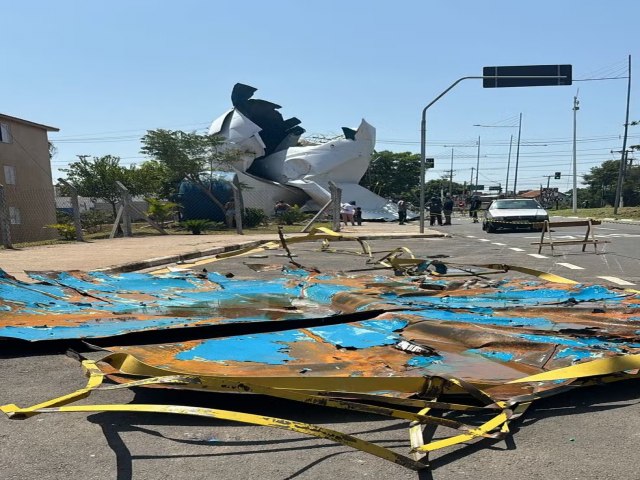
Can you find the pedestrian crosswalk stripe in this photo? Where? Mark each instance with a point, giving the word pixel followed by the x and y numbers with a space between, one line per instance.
pixel 516 249
pixel 570 265
pixel 536 255
pixel 617 280
pixel 496 243
pixel 484 240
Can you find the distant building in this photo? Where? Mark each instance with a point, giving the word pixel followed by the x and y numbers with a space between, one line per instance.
pixel 25 173
pixel 546 197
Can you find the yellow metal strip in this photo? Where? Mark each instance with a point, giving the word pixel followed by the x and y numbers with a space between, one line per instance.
pixel 298 427
pixel 550 277
pixel 602 366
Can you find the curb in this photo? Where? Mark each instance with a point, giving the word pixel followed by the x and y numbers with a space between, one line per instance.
pixel 606 220
pixel 160 261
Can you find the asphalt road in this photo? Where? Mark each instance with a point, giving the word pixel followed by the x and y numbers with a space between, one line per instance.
pixel 587 434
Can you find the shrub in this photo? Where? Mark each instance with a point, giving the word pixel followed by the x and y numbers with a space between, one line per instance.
pixel 65 230
pixel 160 210
pixel 63 217
pixel 92 220
pixel 197 225
pixel 254 217
pixel 291 216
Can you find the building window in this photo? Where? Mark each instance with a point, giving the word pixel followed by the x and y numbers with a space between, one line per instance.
pixel 5 133
pixel 9 175
pixel 14 216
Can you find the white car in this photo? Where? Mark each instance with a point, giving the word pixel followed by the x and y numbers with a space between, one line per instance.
pixel 513 213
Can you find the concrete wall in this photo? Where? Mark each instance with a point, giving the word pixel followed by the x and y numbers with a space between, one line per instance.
pixel 27 180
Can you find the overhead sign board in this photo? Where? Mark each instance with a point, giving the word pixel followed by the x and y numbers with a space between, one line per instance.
pixel 429 162
pixel 495 188
pixel 531 76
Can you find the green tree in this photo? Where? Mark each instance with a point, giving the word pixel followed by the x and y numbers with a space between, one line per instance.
pixel 182 155
pixel 397 175
pixel 601 184
pixel 393 175
pixel 96 178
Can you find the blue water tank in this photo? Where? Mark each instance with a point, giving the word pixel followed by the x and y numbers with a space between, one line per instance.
pixel 197 205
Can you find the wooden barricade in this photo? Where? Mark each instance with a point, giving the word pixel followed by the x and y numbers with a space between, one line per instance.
pixel 589 237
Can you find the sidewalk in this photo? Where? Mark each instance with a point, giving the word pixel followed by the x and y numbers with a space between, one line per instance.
pixel 136 253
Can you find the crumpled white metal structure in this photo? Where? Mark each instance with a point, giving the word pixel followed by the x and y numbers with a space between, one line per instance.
pixel 270 151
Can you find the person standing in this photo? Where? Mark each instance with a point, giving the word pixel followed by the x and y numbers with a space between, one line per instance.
pixel 402 211
pixel 230 213
pixel 435 211
pixel 474 206
pixel 447 208
pixel 357 216
pixel 281 207
pixel 346 212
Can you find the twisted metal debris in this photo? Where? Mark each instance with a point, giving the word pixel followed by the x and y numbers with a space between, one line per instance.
pixel 393 346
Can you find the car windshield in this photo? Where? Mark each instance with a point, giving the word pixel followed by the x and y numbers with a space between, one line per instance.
pixel 520 204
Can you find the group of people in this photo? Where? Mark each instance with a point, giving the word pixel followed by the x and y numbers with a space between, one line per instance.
pixel 437 208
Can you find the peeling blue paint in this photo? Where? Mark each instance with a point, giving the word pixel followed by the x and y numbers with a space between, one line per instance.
pixel 268 348
pixel 577 353
pixel 354 336
pixel 421 361
pixel 90 329
pixel 493 354
pixel 324 292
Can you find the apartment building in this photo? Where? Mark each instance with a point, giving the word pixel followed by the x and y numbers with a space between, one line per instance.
pixel 25 173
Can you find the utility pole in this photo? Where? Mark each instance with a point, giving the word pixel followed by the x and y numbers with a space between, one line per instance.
pixel 575 162
pixel 623 159
pixel 471 179
pixel 515 180
pixel 478 162
pixel 508 165
pixel 451 174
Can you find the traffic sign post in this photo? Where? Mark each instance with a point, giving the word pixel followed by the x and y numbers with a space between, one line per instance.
pixel 520 76
pixel 526 76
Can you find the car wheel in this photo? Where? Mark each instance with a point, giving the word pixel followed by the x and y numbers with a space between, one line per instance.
pixel 490 228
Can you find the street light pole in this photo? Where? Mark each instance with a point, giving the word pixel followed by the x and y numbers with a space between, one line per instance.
pixel 623 159
pixel 515 180
pixel 575 163
pixel 478 163
pixel 508 165
pixel 451 174
pixel 423 125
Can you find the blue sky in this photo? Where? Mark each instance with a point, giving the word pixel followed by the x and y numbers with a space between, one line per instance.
pixel 105 72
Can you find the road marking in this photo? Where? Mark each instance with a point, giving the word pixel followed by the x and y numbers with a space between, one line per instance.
pixel 496 243
pixel 605 228
pixel 471 236
pixel 516 249
pixel 617 280
pixel 536 255
pixel 484 240
pixel 570 265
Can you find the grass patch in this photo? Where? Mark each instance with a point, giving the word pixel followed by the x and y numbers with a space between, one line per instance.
pixel 599 213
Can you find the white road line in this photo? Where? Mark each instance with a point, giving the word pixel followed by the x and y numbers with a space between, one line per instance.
pixel 471 236
pixel 570 265
pixel 617 280
pixel 516 249
pixel 536 255
pixel 484 240
pixel 496 243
